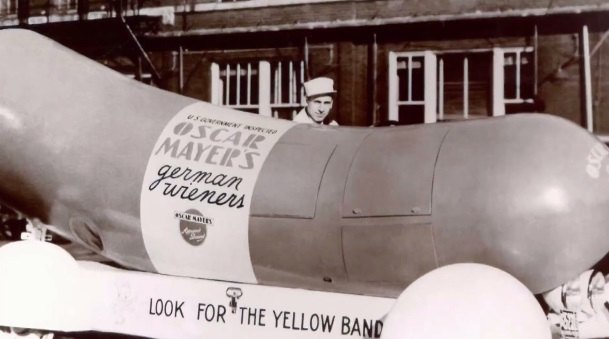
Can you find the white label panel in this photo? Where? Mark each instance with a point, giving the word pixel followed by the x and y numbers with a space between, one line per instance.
pixel 197 190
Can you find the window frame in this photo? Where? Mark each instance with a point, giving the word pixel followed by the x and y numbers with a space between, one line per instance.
pixel 270 79
pixel 518 51
pixel 429 85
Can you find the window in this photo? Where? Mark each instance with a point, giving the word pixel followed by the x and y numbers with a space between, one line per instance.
pixel 464 82
pixel 518 73
pixel 410 78
pixel 287 91
pixel 238 85
pixel 426 86
pixel 263 87
pixel 412 87
pixel 8 6
pixel 64 6
pixel 513 80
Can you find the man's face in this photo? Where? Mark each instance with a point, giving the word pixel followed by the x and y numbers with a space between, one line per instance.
pixel 319 107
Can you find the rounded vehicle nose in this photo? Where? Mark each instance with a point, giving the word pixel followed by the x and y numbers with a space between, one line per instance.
pixel 528 194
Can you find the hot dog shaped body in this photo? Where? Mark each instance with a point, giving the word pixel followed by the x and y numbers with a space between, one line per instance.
pixel 159 182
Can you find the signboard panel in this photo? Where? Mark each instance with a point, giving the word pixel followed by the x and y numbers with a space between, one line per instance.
pixel 176 307
pixel 197 191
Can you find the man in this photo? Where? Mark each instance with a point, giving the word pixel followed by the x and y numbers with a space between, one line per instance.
pixel 319 94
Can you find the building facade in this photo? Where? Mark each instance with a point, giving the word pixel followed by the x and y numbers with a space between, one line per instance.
pixel 394 61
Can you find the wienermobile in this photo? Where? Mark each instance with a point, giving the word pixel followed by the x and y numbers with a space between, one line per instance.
pixel 165 184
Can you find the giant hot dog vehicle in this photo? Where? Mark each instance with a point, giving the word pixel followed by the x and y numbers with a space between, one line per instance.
pixel 182 193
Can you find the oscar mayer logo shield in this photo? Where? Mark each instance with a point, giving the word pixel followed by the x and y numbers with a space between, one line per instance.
pixel 193 226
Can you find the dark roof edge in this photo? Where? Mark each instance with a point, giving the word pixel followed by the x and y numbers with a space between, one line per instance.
pixel 366 22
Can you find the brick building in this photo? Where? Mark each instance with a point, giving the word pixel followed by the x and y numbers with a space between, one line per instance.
pixel 407 61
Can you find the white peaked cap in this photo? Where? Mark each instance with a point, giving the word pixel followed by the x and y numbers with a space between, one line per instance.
pixel 319 86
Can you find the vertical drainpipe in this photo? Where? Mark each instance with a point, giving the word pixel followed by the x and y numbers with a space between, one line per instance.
pixel 373 78
pixel 587 79
pixel 139 71
pixel 306 59
pixel 441 89
pixel 535 61
pixel 181 69
pixel 465 88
